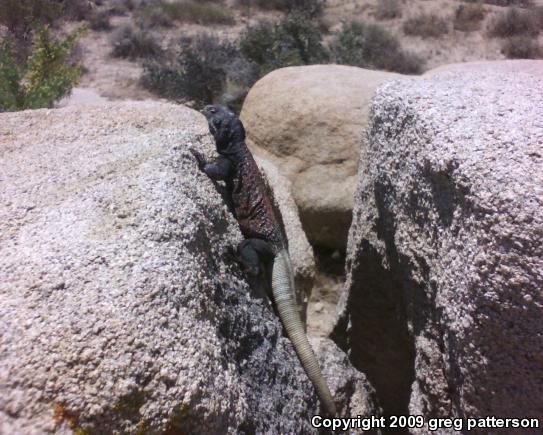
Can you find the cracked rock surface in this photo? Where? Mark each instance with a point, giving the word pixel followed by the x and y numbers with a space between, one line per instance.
pixel 444 294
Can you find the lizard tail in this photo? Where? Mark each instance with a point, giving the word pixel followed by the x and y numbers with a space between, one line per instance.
pixel 283 295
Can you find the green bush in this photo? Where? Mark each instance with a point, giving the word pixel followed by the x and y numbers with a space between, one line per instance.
pixel 425 25
pixel 295 40
pixel 467 18
pixel 371 46
pixel 205 71
pixel 521 47
pixel 257 43
pixel 200 12
pixel 11 72
pixel 134 42
pixel 388 9
pixel 514 22
pixel 46 76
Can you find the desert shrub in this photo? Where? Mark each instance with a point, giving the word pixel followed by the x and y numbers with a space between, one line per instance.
pixel 11 72
pixel 77 9
pixel 521 47
pixel 44 77
pixel 295 40
pixel 121 7
pixel 388 9
pixel 518 3
pixel 20 16
pixel 99 21
pixel 134 42
pixel 425 25
pixel 302 34
pixel 311 8
pixel 153 16
pixel 514 22
pixel 206 70
pixel 201 12
pixel 468 17
pixel 371 46
pixel 257 43
pixel 538 16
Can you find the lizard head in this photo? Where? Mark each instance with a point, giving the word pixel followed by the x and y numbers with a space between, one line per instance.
pixel 224 125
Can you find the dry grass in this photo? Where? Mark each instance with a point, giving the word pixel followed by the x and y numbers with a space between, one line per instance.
pixel 426 26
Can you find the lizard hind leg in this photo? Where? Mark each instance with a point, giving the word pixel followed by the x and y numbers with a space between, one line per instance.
pixel 255 256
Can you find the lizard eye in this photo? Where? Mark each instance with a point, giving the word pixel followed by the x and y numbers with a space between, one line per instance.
pixel 212 110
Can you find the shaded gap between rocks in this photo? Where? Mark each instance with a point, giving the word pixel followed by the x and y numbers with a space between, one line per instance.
pixel 374 329
pixel 327 287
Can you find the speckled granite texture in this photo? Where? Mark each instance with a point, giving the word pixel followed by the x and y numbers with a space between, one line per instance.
pixel 443 306
pixel 118 313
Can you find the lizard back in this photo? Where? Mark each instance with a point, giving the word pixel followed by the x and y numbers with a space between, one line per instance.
pixel 254 210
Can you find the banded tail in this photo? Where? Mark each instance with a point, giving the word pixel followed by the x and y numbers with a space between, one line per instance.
pixel 285 300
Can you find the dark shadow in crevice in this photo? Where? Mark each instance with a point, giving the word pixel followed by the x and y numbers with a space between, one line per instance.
pixel 375 328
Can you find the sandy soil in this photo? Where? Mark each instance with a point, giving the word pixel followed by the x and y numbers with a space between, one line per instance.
pixel 112 78
pixel 321 309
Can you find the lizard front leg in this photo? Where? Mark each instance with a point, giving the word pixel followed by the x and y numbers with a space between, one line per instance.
pixel 219 170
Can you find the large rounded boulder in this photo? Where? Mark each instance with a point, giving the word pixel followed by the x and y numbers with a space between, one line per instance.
pixel 310 121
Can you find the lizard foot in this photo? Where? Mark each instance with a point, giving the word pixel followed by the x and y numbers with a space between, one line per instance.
pixel 251 271
pixel 230 254
pixel 200 159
